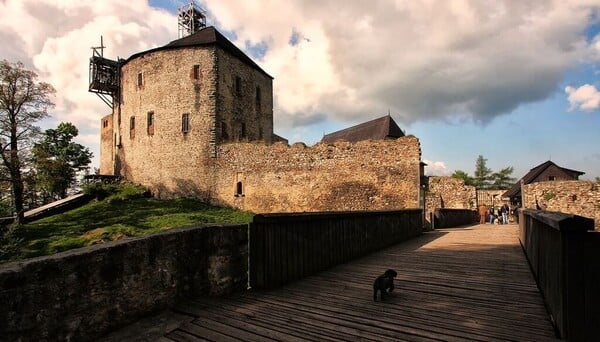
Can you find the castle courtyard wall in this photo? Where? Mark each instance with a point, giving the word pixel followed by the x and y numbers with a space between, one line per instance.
pixel 569 197
pixel 368 175
pixel 448 193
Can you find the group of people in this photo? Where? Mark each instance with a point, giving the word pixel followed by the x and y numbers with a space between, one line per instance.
pixel 494 215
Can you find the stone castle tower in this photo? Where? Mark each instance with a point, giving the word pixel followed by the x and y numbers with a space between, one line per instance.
pixel 177 103
pixel 194 118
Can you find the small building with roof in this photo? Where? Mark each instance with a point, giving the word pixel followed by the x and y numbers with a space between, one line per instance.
pixel 545 172
pixel 378 129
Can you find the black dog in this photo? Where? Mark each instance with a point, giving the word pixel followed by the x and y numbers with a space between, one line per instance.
pixel 384 283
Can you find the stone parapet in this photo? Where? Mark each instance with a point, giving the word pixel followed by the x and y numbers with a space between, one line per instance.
pixel 83 293
pixel 570 197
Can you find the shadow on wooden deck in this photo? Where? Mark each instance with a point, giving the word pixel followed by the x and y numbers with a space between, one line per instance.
pixel 452 285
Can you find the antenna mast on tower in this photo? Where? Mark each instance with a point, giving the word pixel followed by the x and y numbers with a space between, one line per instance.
pixel 190 19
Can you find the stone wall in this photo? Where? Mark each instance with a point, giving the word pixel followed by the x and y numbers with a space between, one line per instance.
pixel 491 198
pixel 244 114
pixel 448 193
pixel 570 197
pixel 163 156
pixel 107 145
pixel 225 100
pixel 80 294
pixel 226 158
pixel 368 175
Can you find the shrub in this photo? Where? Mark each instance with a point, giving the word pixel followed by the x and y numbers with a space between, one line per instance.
pixel 115 192
pixel 9 242
pixel 99 190
pixel 548 195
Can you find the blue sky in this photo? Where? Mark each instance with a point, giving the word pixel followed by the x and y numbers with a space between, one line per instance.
pixel 523 137
pixel 513 81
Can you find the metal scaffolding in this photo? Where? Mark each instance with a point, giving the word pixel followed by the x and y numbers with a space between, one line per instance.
pixel 191 19
pixel 104 75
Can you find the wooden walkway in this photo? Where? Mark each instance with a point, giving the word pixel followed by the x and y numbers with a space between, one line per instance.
pixel 470 284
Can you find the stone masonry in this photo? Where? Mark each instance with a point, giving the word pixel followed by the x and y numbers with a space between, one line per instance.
pixel 80 294
pixel 570 197
pixel 224 153
pixel 368 175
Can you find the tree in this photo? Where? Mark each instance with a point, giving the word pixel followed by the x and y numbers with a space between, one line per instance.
pixel 502 179
pixel 482 173
pixel 460 174
pixel 58 159
pixel 23 102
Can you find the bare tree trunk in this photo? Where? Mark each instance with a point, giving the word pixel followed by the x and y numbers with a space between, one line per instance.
pixel 16 178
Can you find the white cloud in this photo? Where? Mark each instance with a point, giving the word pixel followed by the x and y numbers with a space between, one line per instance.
pixel 54 39
pixel 422 60
pixel 436 168
pixel 585 98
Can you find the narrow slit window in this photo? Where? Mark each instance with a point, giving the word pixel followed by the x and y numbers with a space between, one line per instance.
pixel 243 132
pixel 258 95
pixel 150 123
pixel 239 189
pixel 196 72
pixel 185 122
pixel 224 135
pixel 132 127
pixel 140 79
pixel 238 85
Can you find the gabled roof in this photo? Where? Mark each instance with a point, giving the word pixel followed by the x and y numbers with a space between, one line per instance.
pixel 378 129
pixel 533 174
pixel 205 37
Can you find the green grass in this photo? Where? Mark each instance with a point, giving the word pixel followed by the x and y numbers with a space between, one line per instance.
pixel 117 217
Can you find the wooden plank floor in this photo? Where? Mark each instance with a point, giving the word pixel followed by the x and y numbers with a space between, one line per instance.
pixel 470 284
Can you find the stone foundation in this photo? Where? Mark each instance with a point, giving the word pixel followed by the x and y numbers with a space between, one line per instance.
pixel 83 293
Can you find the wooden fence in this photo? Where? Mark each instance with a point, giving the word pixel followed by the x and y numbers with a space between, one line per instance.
pixel 450 218
pixel 287 247
pixel 564 255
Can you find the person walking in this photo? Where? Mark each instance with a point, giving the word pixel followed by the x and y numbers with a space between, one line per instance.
pixel 482 214
pixel 504 210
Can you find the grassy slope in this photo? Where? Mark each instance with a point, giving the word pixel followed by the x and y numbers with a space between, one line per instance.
pixel 109 220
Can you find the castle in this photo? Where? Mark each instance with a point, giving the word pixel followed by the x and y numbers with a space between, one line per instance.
pixel 194 118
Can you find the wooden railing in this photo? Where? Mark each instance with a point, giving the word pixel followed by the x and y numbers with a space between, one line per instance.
pixel 564 255
pixel 287 247
pixel 450 218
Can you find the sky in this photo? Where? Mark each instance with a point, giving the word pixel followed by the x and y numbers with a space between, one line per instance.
pixel 513 81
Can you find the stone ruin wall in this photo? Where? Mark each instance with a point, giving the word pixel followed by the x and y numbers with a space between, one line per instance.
pixel 448 192
pixel 491 198
pixel 368 175
pixel 207 165
pixel 570 197
pixel 106 145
